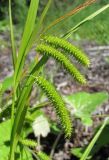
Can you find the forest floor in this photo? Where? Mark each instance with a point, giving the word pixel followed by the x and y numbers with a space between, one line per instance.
pixel 98 80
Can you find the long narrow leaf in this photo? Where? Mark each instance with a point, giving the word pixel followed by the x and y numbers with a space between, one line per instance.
pixel 90 146
pixel 14 56
pixel 38 26
pixel 69 14
pixel 25 39
pixel 45 11
pixel 22 107
pixel 19 119
pixel 89 18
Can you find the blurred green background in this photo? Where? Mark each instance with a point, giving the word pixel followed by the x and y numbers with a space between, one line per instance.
pixel 96 30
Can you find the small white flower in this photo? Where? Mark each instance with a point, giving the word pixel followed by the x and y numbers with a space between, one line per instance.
pixel 41 126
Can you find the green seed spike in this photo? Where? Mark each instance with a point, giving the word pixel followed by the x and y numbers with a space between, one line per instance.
pixel 50 51
pixel 58 103
pixel 71 49
pixel 28 142
pixel 43 156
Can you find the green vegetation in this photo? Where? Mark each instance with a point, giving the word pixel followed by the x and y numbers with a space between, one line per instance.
pixel 96 30
pixel 23 118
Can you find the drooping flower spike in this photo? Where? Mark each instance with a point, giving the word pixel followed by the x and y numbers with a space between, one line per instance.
pixel 60 57
pixel 69 48
pixel 58 103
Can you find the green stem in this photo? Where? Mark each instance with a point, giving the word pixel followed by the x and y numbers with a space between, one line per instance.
pixel 55 144
pixel 14 56
pixel 22 108
pixel 92 143
pixel 38 106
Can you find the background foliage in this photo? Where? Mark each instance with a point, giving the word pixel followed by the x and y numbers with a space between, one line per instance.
pixel 97 29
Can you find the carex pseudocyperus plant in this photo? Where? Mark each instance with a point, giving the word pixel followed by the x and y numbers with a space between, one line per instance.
pixel 47 46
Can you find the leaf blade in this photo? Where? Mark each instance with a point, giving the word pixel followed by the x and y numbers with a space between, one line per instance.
pixel 30 22
pixel 91 144
pixel 89 18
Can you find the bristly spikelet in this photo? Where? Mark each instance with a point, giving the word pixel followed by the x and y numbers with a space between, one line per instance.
pixel 50 51
pixel 65 45
pixel 28 142
pixel 43 156
pixel 58 103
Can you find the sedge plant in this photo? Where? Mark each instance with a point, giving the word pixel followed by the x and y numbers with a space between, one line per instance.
pixel 48 46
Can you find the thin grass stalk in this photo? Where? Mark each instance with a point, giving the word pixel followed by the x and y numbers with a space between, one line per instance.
pixel 21 108
pixel 30 22
pixel 69 14
pixel 36 31
pixel 14 56
pixel 87 19
pixel 92 143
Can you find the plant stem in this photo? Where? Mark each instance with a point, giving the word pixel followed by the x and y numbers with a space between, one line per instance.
pixel 22 107
pixel 14 56
pixel 92 143
pixel 41 105
pixel 55 144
